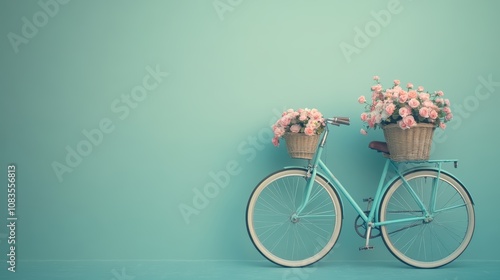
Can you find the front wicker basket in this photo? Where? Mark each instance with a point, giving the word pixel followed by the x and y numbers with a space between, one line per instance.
pixel 300 145
pixel 412 144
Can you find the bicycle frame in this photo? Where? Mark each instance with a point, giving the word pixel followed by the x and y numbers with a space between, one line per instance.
pixel 371 219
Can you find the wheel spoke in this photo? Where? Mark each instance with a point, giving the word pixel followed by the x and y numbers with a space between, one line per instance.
pixel 279 233
pixel 442 235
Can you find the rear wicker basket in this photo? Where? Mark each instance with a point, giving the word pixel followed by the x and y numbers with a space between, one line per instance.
pixel 300 145
pixel 412 144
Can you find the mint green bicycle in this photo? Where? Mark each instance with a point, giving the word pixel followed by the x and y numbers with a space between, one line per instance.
pixel 424 214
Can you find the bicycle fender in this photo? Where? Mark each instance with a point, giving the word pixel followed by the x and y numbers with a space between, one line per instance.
pixel 433 169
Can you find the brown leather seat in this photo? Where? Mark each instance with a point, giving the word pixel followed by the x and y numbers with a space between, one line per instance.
pixel 379 146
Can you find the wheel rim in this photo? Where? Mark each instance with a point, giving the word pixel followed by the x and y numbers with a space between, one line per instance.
pixel 443 234
pixel 279 233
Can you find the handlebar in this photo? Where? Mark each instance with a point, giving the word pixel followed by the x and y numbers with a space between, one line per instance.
pixel 339 120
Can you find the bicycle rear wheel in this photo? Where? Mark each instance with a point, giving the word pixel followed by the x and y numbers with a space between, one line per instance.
pixel 284 236
pixel 442 235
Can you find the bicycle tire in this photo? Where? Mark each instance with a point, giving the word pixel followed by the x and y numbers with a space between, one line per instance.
pixel 447 231
pixel 273 230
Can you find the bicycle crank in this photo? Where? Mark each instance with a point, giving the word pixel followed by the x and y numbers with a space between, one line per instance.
pixel 361 229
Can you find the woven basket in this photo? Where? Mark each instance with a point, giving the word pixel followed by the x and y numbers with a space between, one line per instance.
pixel 412 144
pixel 300 145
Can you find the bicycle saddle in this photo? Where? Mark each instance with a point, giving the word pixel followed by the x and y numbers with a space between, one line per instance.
pixel 379 146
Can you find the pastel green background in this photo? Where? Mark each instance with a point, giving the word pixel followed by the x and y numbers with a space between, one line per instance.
pixel 230 74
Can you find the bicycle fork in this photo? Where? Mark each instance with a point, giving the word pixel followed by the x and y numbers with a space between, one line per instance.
pixel 310 176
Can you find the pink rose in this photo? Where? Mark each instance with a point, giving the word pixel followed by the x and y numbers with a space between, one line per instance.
pixel 313 123
pixel 278 131
pixel 402 125
pixel 447 102
pixel 428 103
pixel 389 109
pixel 303 117
pixel 409 85
pixel 276 141
pixel 376 78
pixel 364 117
pixel 424 112
pixel 295 128
pixel 396 94
pixel 420 88
pixel 409 121
pixel 362 131
pixel 439 93
pixel 433 114
pixel 322 122
pixel 404 111
pixel 376 88
pixel 284 121
pixel 373 120
pixel 396 82
pixel 403 96
pixel 424 96
pixel 412 94
pixel 442 126
pixel 447 110
pixel 371 123
pixel 316 115
pixel 413 103
pixel 309 130
pixel 449 116
pixel 397 88
pixel 376 96
pixel 361 99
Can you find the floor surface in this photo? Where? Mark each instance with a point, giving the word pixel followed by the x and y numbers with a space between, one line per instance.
pixel 180 270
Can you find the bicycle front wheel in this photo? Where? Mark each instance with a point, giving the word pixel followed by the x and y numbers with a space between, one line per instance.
pixel 435 238
pixel 284 236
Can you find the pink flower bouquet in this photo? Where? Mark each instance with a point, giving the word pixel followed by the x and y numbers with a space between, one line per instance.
pixel 407 108
pixel 307 121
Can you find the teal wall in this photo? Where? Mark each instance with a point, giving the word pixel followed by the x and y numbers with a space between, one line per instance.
pixel 118 114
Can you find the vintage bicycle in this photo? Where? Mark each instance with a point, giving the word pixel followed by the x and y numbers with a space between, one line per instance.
pixel 424 214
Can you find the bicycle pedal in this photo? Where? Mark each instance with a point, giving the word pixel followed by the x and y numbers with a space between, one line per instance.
pixel 366 248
